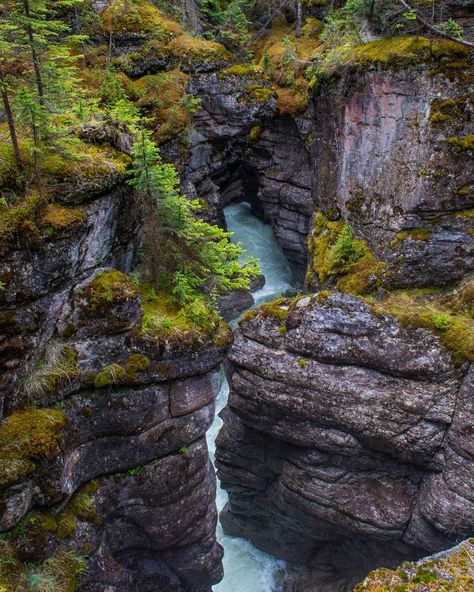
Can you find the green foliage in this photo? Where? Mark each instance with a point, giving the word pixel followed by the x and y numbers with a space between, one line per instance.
pixel 59 573
pixel 57 367
pixel 109 288
pixel 451 28
pixel 38 71
pixel 188 257
pixel 191 103
pixel 25 437
pixel 110 375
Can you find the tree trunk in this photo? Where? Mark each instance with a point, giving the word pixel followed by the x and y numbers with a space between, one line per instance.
pixel 192 16
pixel 299 17
pixel 11 123
pixel 34 54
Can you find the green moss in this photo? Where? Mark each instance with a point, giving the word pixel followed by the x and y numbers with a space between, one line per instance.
pixel 411 49
pixel 448 111
pixel 449 315
pixel 256 132
pixel 256 94
pixel 240 70
pixel 465 143
pixel 110 375
pixel 223 336
pixel 59 573
pixel 138 16
pixel 19 219
pixel 109 288
pixel 451 573
pixel 165 320
pixel 54 218
pixel 333 251
pixel 136 364
pixel 27 437
pixel 418 234
pixel 278 310
pixel 80 507
pixel 302 363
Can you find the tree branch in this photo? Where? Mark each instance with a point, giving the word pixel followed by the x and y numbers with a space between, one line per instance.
pixel 433 28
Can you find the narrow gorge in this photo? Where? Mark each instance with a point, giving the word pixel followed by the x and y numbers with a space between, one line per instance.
pixel 335 142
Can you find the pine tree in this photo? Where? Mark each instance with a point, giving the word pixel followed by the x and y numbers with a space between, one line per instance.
pixel 185 255
pixel 8 65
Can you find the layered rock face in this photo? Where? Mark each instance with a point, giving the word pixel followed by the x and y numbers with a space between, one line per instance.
pixel 102 443
pixel 346 438
pixel 244 150
pixel 388 157
pixel 345 443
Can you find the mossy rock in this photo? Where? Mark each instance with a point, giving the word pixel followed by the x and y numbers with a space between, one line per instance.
pixel 464 143
pixel 450 315
pixel 138 17
pixel 110 375
pixel 335 256
pixel 440 56
pixel 256 94
pixel 60 572
pixel 136 364
pixel 108 289
pixel 27 437
pixel 449 573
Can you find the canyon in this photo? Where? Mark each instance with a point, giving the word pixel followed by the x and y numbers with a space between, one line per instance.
pixel 346 442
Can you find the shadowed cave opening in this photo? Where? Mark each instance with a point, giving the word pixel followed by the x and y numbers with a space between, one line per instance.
pixel 239 181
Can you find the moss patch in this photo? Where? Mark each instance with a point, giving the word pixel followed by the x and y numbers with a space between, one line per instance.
pixel 449 111
pixel 140 17
pixel 417 234
pixel 110 375
pixel 164 320
pixel 19 220
pixel 241 71
pixel 448 314
pixel 61 572
pixel 255 94
pixel 26 437
pixel 136 364
pixel 55 218
pixel 452 573
pixel 109 288
pixel 278 310
pixel 465 143
pixel 334 252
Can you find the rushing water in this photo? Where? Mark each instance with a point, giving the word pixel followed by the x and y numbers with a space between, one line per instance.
pixel 246 568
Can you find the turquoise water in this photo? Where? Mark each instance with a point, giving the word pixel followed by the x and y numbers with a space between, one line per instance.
pixel 246 568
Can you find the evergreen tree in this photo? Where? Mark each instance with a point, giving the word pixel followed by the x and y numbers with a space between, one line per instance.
pixel 8 69
pixel 185 254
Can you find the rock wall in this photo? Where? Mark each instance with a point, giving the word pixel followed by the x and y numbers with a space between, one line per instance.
pixel 388 158
pixel 345 440
pixel 244 150
pixel 102 443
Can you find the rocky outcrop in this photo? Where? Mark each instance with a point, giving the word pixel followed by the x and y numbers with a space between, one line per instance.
pixel 244 150
pixel 391 156
pixel 452 570
pixel 345 441
pixel 102 442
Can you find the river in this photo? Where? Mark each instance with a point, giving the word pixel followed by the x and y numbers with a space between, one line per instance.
pixel 246 568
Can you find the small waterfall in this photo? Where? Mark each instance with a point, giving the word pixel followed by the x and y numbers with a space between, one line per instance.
pixel 246 568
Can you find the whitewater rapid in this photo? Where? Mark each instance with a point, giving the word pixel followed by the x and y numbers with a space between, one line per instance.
pixel 246 569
